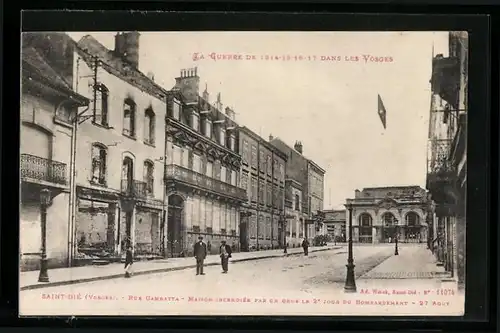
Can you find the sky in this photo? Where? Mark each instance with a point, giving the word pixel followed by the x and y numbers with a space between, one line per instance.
pixel 328 102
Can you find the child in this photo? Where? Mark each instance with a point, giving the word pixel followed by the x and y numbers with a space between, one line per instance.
pixel 129 260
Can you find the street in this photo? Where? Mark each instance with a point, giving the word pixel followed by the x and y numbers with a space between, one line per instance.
pixel 288 280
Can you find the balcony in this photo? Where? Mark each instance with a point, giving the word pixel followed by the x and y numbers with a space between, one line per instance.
pixel 441 173
pixel 134 189
pixel 445 80
pixel 175 173
pixel 42 169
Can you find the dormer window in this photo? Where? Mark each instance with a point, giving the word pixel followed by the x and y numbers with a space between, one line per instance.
pixel 176 109
pixel 195 121
pixel 208 128
pixel 232 143
pixel 222 136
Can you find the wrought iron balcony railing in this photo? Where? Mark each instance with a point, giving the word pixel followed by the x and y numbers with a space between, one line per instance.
pixel 190 177
pixel 43 169
pixel 439 154
pixel 134 188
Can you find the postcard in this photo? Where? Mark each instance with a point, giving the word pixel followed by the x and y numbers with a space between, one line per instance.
pixel 243 173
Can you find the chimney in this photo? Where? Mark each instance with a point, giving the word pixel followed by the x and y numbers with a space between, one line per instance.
pixel 206 95
pixel 127 47
pixel 189 84
pixel 298 147
pixel 230 113
pixel 357 194
pixel 271 137
pixel 151 76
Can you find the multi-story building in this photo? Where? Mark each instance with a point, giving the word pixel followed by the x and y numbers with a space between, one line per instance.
pixel 303 176
pixel 263 179
pixel 202 169
pixel 335 222
pixel 120 145
pixel 316 183
pixel 379 214
pixel 447 157
pixel 49 106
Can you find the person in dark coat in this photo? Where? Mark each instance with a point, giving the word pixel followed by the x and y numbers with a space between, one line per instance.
pixel 129 260
pixel 225 254
pixel 200 253
pixel 305 246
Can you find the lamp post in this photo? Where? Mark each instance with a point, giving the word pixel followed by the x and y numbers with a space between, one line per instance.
pixel 350 282
pixel 396 237
pixel 44 202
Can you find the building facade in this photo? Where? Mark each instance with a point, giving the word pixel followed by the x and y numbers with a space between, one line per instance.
pixel 316 183
pixel 263 179
pixel 335 223
pixel 120 146
pixel 382 213
pixel 48 107
pixel 202 170
pixel 293 212
pixel 447 156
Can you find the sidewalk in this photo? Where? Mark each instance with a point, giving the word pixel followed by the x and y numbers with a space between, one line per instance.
pixel 65 276
pixel 413 262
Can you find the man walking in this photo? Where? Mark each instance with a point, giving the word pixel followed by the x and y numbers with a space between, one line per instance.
pixel 129 260
pixel 305 246
pixel 200 253
pixel 225 254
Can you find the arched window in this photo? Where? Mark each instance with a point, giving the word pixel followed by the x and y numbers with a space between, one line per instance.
pixel 297 202
pixel 365 220
pixel 129 109
pixel 99 161
pixel 149 126
pixel 412 219
pixel 149 176
pixel 389 219
pixel 101 105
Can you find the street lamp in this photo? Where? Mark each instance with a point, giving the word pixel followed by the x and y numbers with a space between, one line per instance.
pixel 396 236
pixel 350 282
pixel 44 202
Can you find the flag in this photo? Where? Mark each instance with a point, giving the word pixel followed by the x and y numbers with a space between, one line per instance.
pixel 381 111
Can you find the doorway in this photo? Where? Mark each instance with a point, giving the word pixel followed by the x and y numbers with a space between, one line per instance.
pixel 175 243
pixel 244 246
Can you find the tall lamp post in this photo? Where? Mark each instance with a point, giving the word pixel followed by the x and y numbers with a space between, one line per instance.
pixel 396 237
pixel 350 282
pixel 44 202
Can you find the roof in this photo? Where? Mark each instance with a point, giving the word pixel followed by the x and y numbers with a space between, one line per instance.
pixel 286 146
pixel 266 143
pixel 89 47
pixel 35 65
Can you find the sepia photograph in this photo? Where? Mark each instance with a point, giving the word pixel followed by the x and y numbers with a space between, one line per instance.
pixel 243 173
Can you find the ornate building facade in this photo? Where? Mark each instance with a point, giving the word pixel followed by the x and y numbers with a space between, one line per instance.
pixel 263 179
pixel 202 169
pixel 382 213
pixel 447 156
pixel 48 107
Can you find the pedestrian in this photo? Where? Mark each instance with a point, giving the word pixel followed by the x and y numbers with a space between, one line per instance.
pixel 225 254
pixel 200 253
pixel 285 251
pixel 129 260
pixel 305 246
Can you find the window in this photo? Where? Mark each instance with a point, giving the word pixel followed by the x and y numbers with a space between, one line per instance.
pixel 222 136
pixel 261 191
pixel 412 219
pixel 208 128
pixel 177 155
pixel 268 227
pixel 389 219
pixel 99 159
pixel 269 165
pixel 149 126
pixel 254 189
pixel 127 175
pixel 223 173
pixel 233 178
pixel 216 220
pixel 195 121
pixel 297 202
pixel 232 143
pixel 217 170
pixel 196 163
pixel 246 152
pixel 185 158
pixel 176 109
pixel 254 156
pixel 262 161
pixel 244 180
pixel 129 117
pixel 149 176
pixel 282 171
pixel 269 196
pixel 209 171
pixel 101 105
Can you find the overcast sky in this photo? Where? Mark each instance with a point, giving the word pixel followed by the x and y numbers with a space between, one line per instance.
pixel 329 105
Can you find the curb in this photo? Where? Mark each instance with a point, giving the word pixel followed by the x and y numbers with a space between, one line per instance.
pixel 153 271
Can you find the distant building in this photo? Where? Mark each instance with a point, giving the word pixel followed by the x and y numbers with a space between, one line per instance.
pixel 49 106
pixel 382 213
pixel 335 223
pixel 263 178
